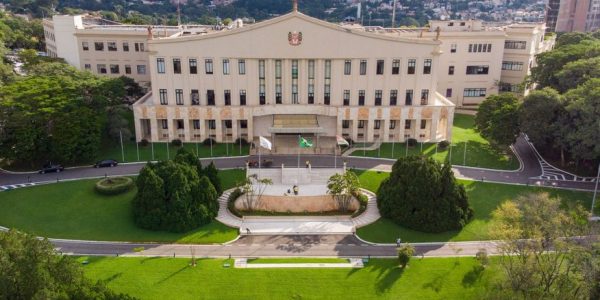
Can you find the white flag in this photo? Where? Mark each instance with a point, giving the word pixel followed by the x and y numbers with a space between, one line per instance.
pixel 265 143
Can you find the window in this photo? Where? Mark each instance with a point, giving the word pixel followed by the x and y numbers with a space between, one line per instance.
pixel 477 70
pixel 242 67
pixel 311 81
pixel 196 124
pixel 346 97
pixel 448 92
pixel 278 88
pixel 228 124
pixel 179 96
pixel 164 123
pixel 327 95
pixel 126 46
pixel 450 70
pixel 112 46
pixel 195 97
pixel 512 66
pixel 380 65
pixel 141 69
pixel 363 67
pixel 450 24
pixel 139 47
pixel 261 79
pixel 88 67
pixel 361 123
pixel 393 97
pixel 295 81
pixel 176 65
pixel 193 66
pixel 507 87
pixel 227 95
pixel 347 67
pixel 244 124
pixel 427 66
pixel 99 46
pixel 226 67
pixel 424 97
pixel 208 66
pixel 212 124
pixel 515 44
pixel 407 124
pixel 412 65
pixel 453 48
pixel 361 98
pixel 210 97
pixel 179 124
pixel 160 65
pixel 346 124
pixel 423 124
pixel 378 96
pixel 474 48
pixel 85 46
pixel 409 97
pixel 377 124
pixel 114 69
pixel 162 95
pixel 395 67
pixel 392 124
pixel 242 97
pixel 127 69
pixel 474 92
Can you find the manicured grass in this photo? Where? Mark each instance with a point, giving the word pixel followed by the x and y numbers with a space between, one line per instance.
pixel 168 278
pixel 478 150
pixel 297 261
pixel 483 197
pixel 73 210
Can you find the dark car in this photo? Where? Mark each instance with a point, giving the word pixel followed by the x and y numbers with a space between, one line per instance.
pixel 51 168
pixel 106 163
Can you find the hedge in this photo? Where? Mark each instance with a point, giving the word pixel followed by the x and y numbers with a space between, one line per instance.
pixel 114 185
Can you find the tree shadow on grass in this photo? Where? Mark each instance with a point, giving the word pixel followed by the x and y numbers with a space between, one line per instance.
pixel 173 274
pixel 388 273
pixel 436 283
pixel 473 276
pixel 112 277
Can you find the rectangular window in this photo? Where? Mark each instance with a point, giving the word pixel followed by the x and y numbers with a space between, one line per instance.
pixel 470 48
pixel 361 123
pixel 345 124
pixel 327 95
pixel 85 46
pixel 164 123
pixel 477 70
pixel 241 67
pixel 226 67
pixel 196 124
pixel 377 124
pixel 489 47
pixel 407 124
pixel 88 67
pixel 448 92
pixel 210 97
pixel 423 124
pixel 507 87
pixel 228 124
pixel 125 46
pixel 512 66
pixel 450 70
pixel 208 66
pixel 243 124
pixel 114 69
pixel 412 65
pixel 515 44
pixel 141 69
pixel 112 46
pixel 361 98
pixel 295 81
pixel 311 81
pixel 409 97
pixel 380 65
pixel 99 46
pixel 160 65
pixel 242 97
pixel 393 97
pixel 474 92
pixel 347 67
pixel 176 66
pixel 261 84
pixel 395 67
pixel 212 124
pixel 179 96
pixel 378 97
pixel 227 95
pixel 162 95
pixel 193 66
pixel 424 97
pixel 139 47
pixel 346 97
pixel 127 69
pixel 195 97
pixel 278 80
pixel 363 67
pixel 453 48
pixel 392 124
pixel 179 124
pixel 427 66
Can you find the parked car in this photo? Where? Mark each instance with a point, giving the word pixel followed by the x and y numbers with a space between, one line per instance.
pixel 51 168
pixel 266 163
pixel 106 163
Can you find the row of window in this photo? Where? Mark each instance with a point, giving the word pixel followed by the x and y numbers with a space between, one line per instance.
pixel 377 124
pixel 210 124
pixel 472 70
pixel 474 48
pixel 112 46
pixel 515 44
pixel 512 65
pixel 380 67
pixel 116 69
pixel 211 100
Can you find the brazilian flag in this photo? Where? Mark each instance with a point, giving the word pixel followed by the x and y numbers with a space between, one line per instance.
pixel 304 143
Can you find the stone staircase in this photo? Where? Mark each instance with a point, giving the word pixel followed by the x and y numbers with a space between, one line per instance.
pixel 225 216
pixel 371 214
pixel 302 176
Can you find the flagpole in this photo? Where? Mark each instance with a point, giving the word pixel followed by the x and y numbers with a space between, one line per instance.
pixel 259 159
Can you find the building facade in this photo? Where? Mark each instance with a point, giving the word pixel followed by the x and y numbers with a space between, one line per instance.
pixel 294 75
pixel 578 15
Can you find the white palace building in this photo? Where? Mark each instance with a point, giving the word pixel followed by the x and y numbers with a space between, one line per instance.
pixel 292 75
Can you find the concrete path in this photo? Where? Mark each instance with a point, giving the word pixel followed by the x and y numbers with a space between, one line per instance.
pixel 314 225
pixel 371 214
pixel 224 215
pixel 242 263
pixel 354 148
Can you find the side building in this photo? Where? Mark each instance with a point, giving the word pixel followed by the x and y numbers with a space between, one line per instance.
pixel 294 75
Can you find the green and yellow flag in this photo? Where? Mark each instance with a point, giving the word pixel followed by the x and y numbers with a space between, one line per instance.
pixel 304 143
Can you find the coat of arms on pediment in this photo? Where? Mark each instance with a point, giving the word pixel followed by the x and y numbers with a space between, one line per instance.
pixel 295 38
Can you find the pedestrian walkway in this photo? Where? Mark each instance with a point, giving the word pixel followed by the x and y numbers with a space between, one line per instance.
pixel 242 263
pixel 225 216
pixel 371 214
pixel 301 225
pixel 15 186
pixel 373 146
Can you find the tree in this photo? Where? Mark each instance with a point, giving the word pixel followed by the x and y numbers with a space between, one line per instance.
pixel 577 72
pixel 538 116
pixel 31 269
pixel 569 38
pixel 343 187
pixel 405 252
pixel 148 203
pixel 496 119
pixel 423 195
pixel 253 189
pixel 583 107
pixel 529 227
pixel 213 174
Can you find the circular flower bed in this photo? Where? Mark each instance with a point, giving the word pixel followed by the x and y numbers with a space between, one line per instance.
pixel 114 185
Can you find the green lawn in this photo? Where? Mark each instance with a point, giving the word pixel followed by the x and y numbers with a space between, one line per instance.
pixel 73 210
pixel 168 278
pixel 478 150
pixel 484 198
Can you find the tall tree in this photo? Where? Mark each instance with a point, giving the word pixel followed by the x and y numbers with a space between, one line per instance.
pixel 213 174
pixel 538 116
pixel 497 119
pixel 577 72
pixel 583 107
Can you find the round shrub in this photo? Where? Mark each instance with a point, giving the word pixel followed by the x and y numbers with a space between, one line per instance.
pixel 114 185
pixel 242 141
pixel 144 143
pixel 176 142
pixel 411 142
pixel 443 144
pixel 209 141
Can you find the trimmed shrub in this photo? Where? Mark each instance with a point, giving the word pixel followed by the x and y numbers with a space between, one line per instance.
pixel 177 143
pixel 231 201
pixel 405 252
pixel 144 143
pixel 443 144
pixel 114 185
pixel 412 142
pixel 209 141
pixel 242 141
pixel 363 200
